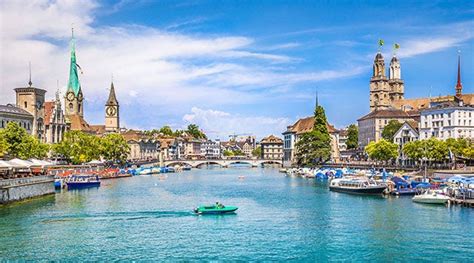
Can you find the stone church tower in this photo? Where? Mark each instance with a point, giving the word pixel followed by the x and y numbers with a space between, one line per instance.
pixel 112 120
pixel 395 80
pixel 379 87
pixel 74 97
pixel 383 91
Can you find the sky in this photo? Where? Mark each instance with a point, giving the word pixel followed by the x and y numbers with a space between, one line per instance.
pixel 233 67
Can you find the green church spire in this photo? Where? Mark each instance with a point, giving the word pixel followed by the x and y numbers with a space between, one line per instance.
pixel 74 84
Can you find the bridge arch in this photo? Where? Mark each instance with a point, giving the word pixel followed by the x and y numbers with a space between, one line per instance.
pixel 198 164
pixel 271 162
pixel 173 163
pixel 240 162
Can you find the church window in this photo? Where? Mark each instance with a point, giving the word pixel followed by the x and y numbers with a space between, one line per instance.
pixel 79 107
pixel 26 104
pixel 70 106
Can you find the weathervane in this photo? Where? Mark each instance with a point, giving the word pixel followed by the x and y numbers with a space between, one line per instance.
pixel 396 47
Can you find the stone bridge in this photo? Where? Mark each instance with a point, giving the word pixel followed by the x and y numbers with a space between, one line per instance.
pixel 223 163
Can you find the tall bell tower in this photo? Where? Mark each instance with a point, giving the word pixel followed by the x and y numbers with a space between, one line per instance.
pixel 112 117
pixel 74 97
pixel 395 80
pixel 379 87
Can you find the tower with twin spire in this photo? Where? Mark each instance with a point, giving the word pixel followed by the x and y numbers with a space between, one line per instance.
pixel 74 97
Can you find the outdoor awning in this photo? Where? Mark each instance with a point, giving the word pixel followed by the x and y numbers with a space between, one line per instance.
pixel 20 163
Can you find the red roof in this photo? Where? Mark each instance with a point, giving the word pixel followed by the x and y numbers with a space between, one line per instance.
pixel 48 111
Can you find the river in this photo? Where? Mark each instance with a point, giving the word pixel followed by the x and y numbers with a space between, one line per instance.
pixel 279 218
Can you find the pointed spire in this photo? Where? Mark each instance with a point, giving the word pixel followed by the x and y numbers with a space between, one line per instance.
pixel 317 100
pixel 458 84
pixel 73 84
pixel 112 100
pixel 29 82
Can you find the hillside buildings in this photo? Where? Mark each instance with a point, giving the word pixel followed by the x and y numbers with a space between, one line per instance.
pixel 12 113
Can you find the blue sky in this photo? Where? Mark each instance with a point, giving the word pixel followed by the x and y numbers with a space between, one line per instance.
pixel 235 66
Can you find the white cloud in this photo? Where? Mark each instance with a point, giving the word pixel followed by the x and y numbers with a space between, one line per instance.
pixel 226 123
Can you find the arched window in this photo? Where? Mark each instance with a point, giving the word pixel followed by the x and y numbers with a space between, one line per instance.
pixel 79 108
pixel 70 106
pixel 26 104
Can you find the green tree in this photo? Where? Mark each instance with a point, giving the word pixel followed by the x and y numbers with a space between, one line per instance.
pixel 352 137
pixel 194 131
pixel 414 150
pixel 382 150
pixel 390 129
pixel 314 147
pixel 257 152
pixel 166 130
pixel 238 152
pixel 79 147
pixel 16 142
pixel 114 147
pixel 228 153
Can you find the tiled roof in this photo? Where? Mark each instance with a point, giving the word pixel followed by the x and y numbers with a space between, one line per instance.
pixel 48 111
pixel 271 139
pixel 99 129
pixel 390 113
pixel 422 103
pixel 78 123
pixel 9 108
pixel 306 125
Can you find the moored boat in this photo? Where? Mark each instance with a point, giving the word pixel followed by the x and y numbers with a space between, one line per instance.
pixel 215 209
pixel 78 181
pixel 356 186
pixel 431 197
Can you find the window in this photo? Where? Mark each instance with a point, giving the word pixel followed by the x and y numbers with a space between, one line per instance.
pixel 26 104
pixel 70 106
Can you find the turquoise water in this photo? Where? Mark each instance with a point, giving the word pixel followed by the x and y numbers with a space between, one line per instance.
pixel 279 218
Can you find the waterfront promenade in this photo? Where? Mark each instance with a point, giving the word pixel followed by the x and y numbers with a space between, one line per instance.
pixel 279 218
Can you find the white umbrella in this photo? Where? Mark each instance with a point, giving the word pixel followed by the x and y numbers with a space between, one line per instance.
pixel 21 163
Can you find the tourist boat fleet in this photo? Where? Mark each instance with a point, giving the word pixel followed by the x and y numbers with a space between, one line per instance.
pixel 457 189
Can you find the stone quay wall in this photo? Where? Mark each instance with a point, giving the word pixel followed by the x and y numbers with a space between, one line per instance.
pixel 17 189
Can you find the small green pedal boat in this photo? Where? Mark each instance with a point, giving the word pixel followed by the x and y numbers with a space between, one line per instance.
pixel 215 209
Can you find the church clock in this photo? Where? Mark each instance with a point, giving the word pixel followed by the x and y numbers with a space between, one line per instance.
pixel 110 111
pixel 70 96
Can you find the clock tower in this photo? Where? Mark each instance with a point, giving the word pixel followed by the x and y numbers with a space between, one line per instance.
pixel 112 120
pixel 74 97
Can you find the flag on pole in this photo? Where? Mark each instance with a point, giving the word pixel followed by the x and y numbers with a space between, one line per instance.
pixel 396 46
pixel 79 68
pixel 381 42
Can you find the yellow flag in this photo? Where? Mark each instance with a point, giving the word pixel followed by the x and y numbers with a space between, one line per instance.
pixel 396 46
pixel 380 42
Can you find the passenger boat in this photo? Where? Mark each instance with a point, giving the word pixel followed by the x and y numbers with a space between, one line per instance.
pixel 431 197
pixel 215 209
pixel 356 186
pixel 78 181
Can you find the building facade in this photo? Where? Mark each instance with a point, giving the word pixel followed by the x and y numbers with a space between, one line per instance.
pixel 447 120
pixel 32 100
pixel 272 148
pixel 371 125
pixel 408 132
pixel 142 147
pixel 211 149
pixel 54 121
pixel 12 113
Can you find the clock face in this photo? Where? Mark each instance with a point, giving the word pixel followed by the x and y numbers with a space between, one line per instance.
pixel 80 97
pixel 110 111
pixel 70 96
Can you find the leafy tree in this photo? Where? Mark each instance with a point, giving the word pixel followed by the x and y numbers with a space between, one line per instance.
pixel 382 150
pixel 16 142
pixel 257 152
pixel 352 137
pixel 414 150
pixel 228 153
pixel 315 146
pixel 166 130
pixel 430 150
pixel 79 147
pixel 194 131
pixel 114 147
pixel 238 152
pixel 390 129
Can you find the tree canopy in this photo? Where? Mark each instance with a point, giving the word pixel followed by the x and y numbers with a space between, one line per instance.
pixel 390 129
pixel 17 143
pixel 352 137
pixel 194 131
pixel 382 150
pixel 257 152
pixel 81 147
pixel 434 150
pixel 314 147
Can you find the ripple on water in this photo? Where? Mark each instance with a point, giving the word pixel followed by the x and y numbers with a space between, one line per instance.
pixel 279 218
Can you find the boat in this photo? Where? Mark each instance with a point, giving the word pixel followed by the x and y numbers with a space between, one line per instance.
pixel 356 186
pixel 58 183
pixel 186 168
pixel 402 187
pixel 78 181
pixel 215 209
pixel 431 197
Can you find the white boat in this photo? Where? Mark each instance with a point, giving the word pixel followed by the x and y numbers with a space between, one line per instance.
pixel 431 197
